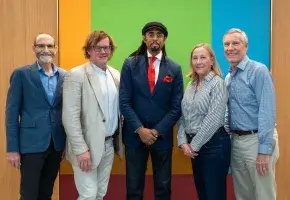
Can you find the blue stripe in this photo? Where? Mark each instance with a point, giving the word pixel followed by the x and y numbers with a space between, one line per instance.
pixel 253 17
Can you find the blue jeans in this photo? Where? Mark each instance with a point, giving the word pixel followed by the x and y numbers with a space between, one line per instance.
pixel 210 167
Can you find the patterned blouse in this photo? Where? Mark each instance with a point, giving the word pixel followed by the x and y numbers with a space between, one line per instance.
pixel 203 110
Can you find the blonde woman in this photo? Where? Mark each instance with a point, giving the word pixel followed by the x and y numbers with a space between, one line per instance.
pixel 201 133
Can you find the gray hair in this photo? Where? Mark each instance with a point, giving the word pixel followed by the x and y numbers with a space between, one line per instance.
pixel 237 30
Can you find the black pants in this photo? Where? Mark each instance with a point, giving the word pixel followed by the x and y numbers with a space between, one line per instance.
pixel 136 165
pixel 38 173
pixel 210 167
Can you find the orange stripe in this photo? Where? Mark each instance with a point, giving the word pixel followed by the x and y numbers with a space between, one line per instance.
pixel 74 26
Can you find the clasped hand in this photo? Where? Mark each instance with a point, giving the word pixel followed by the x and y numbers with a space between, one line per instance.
pixel 187 150
pixel 148 136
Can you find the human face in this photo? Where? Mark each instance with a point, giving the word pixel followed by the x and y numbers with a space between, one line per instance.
pixel 44 48
pixel 201 62
pixel 154 40
pixel 101 53
pixel 235 48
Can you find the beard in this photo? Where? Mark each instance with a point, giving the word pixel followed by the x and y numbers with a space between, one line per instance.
pixel 155 47
pixel 45 58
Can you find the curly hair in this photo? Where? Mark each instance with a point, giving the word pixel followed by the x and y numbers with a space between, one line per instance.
pixel 95 37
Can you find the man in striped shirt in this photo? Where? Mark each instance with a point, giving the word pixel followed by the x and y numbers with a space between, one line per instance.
pixel 252 117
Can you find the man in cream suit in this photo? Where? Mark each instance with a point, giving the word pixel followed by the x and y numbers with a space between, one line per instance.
pixel 91 117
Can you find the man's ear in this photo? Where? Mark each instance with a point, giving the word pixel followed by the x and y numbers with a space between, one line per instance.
pixel 143 38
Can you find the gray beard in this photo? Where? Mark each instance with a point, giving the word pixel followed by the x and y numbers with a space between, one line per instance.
pixel 45 59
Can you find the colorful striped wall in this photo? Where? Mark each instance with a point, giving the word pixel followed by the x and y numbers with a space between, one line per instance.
pixel 188 23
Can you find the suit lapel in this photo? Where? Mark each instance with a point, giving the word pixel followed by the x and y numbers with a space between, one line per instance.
pixel 162 73
pixel 57 92
pixel 34 73
pixel 115 78
pixel 95 84
pixel 143 74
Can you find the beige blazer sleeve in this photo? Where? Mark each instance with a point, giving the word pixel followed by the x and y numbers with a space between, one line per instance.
pixel 72 98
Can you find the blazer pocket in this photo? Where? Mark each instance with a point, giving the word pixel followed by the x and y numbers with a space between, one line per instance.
pixel 27 124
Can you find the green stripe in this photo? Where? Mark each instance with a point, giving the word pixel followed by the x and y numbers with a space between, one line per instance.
pixel 188 23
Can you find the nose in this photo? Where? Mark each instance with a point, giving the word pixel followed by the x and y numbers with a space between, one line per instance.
pixel 230 47
pixel 198 61
pixel 45 49
pixel 102 50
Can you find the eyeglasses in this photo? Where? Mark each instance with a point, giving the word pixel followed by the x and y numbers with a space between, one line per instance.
pixel 153 34
pixel 42 46
pixel 99 48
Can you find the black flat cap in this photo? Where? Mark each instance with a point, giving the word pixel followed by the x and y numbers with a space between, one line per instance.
pixel 157 25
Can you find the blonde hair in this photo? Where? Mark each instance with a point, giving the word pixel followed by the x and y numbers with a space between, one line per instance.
pixel 215 67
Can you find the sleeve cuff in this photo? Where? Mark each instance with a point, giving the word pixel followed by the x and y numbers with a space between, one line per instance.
pixel 136 131
pixel 194 147
pixel 181 140
pixel 265 149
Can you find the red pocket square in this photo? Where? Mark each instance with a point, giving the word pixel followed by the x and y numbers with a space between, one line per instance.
pixel 167 79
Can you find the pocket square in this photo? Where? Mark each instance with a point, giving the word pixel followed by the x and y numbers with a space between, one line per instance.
pixel 167 79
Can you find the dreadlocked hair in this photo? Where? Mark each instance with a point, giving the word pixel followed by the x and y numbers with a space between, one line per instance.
pixel 142 50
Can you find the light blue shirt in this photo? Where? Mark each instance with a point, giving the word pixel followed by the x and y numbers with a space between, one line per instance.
pixel 110 95
pixel 49 83
pixel 252 104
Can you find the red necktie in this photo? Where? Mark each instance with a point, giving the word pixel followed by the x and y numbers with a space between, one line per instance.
pixel 151 73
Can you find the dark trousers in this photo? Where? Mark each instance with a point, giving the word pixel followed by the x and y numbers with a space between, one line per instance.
pixel 38 173
pixel 136 165
pixel 210 167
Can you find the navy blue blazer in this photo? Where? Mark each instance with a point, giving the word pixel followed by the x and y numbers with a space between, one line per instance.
pixel 159 110
pixel 31 122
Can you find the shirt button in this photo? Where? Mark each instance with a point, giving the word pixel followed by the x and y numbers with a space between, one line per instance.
pixel 104 120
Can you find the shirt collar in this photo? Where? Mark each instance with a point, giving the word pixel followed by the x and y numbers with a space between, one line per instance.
pixel 158 56
pixel 99 70
pixel 209 76
pixel 242 65
pixel 54 68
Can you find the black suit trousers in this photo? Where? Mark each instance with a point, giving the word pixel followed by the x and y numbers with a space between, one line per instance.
pixel 136 165
pixel 38 173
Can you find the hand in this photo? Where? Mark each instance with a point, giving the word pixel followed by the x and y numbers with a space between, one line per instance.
pixel 63 155
pixel 146 136
pixel 262 164
pixel 155 133
pixel 188 151
pixel 84 161
pixel 13 159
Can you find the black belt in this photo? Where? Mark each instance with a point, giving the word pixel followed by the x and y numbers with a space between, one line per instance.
pixel 108 137
pixel 241 132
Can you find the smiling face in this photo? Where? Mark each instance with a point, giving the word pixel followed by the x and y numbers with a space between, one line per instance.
pixel 235 47
pixel 100 53
pixel 154 40
pixel 201 61
pixel 44 48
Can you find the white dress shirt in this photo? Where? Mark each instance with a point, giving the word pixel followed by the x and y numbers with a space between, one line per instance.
pixel 110 95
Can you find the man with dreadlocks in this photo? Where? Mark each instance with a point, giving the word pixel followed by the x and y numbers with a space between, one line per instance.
pixel 151 89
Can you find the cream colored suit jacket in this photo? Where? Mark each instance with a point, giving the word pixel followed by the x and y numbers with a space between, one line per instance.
pixel 83 118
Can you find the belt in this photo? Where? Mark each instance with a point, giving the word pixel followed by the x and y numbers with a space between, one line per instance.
pixel 108 137
pixel 240 132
